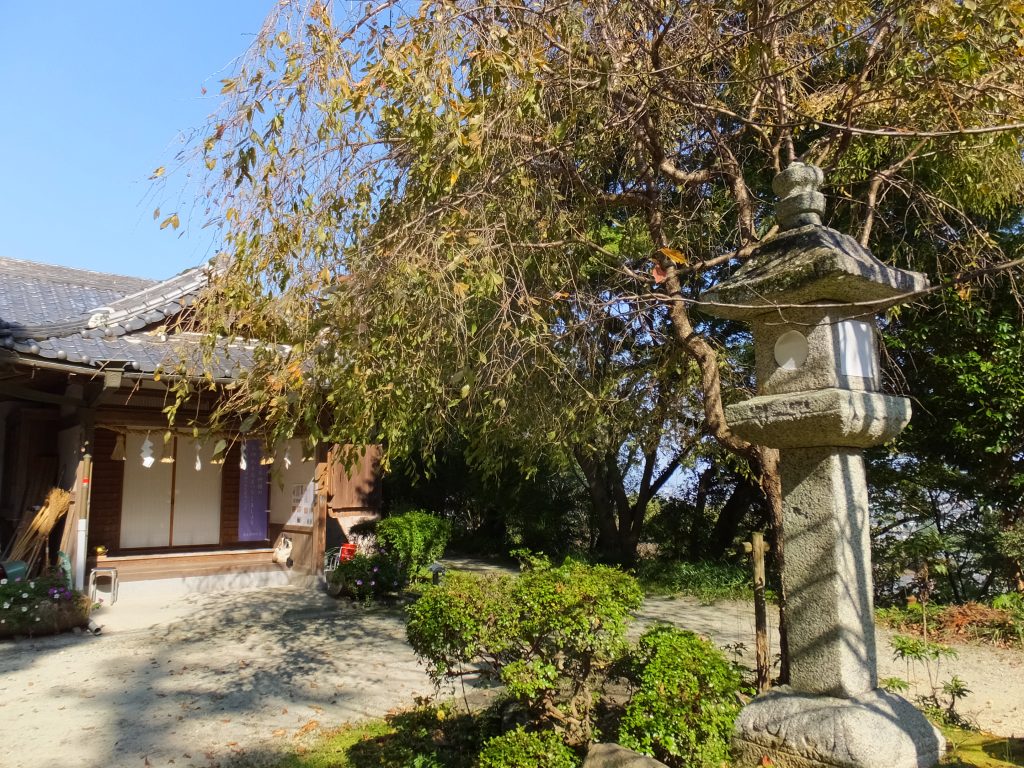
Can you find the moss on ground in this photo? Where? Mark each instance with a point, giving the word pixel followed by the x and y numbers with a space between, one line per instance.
pixel 974 749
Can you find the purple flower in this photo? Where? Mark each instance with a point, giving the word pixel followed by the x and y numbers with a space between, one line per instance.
pixel 359 582
pixel 376 568
pixel 373 583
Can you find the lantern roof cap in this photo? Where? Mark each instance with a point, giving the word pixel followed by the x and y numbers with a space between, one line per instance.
pixel 808 263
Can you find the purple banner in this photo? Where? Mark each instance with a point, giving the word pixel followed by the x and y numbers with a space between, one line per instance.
pixel 252 495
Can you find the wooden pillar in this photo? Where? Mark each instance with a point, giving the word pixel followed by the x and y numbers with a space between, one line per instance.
pixel 757 549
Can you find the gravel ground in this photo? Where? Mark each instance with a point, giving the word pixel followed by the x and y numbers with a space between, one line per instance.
pixel 995 676
pixel 239 678
pixel 218 679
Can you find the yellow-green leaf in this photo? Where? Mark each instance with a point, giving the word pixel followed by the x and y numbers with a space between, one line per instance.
pixel 171 221
pixel 677 257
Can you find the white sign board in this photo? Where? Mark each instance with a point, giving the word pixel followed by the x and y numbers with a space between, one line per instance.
pixel 857 349
pixel 303 496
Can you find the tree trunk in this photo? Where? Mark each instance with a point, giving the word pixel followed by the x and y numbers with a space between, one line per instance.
pixel 704 484
pixel 617 531
pixel 744 496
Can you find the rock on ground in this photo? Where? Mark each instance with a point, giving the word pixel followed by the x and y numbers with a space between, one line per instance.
pixel 614 756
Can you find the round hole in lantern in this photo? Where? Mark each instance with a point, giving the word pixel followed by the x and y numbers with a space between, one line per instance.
pixel 791 350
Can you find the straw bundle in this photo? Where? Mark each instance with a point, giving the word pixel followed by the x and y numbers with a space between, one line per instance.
pixel 28 544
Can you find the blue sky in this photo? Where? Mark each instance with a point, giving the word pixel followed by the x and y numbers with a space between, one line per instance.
pixel 93 97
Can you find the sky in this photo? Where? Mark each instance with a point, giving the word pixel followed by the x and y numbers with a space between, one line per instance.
pixel 93 98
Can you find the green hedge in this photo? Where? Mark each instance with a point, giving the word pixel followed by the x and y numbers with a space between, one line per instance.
pixel 685 700
pixel 527 749
pixel 415 539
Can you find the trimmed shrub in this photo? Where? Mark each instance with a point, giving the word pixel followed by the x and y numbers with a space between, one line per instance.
pixel 415 539
pixel 685 701
pixel 546 634
pixel 527 749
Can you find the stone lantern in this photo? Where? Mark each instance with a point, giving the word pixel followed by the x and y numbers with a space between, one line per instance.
pixel 810 294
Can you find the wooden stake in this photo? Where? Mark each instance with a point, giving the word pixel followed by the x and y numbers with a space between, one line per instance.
pixel 756 548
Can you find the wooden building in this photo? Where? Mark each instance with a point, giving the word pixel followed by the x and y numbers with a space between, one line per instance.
pixel 82 404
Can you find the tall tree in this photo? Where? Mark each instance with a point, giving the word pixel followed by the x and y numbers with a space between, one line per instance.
pixel 957 476
pixel 441 210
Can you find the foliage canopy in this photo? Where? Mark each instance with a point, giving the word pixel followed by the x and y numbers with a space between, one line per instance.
pixel 453 212
pixel 495 220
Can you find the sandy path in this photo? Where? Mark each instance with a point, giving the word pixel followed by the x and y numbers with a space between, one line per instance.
pixel 235 678
pixel 243 673
pixel 995 676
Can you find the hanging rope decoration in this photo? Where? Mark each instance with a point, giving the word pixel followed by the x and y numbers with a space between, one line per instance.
pixel 146 454
pixel 167 452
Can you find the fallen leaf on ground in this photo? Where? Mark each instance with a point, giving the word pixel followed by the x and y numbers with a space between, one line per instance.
pixel 312 725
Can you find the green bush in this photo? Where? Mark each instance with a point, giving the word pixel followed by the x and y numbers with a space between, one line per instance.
pixel 366 577
pixel 546 634
pixel 527 749
pixel 40 606
pixel 685 700
pixel 415 539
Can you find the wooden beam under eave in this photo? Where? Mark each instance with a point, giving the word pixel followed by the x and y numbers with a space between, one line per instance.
pixel 147 417
pixel 27 393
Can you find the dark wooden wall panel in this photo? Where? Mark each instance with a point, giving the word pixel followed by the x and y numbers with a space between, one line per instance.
pixel 229 485
pixel 105 496
pixel 359 490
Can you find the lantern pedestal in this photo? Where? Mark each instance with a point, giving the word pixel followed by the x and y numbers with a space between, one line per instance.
pixel 794 730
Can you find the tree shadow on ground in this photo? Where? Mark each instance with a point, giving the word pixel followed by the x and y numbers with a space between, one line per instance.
pixel 276 662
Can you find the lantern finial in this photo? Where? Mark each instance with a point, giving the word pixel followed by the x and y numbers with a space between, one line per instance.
pixel 800 201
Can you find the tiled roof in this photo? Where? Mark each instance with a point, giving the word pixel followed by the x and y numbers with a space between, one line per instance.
pixel 92 319
pixel 35 294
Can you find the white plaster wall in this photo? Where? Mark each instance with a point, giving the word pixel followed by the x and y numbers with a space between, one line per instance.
pixel 146 499
pixel 196 495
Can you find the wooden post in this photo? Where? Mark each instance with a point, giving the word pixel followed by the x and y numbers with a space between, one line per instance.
pixel 756 548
